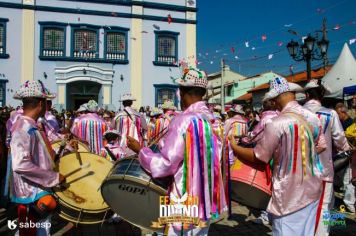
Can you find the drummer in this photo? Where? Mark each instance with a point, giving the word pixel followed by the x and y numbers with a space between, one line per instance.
pixel 129 122
pixel 171 159
pixel 32 163
pixel 111 146
pixel 290 140
pixel 90 127
pixel 50 125
pixel 236 125
pixel 335 137
pixel 156 124
pixel 168 112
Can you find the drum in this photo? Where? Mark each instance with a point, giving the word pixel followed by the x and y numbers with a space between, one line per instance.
pixel 132 193
pixel 82 202
pixel 251 184
pixel 82 147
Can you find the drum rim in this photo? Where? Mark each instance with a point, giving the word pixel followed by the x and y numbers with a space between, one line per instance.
pixel 69 218
pixel 85 146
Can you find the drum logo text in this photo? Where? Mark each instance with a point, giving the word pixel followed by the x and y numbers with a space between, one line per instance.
pixel 132 189
pixel 174 209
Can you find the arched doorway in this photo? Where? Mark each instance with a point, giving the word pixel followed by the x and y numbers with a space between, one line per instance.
pixel 80 92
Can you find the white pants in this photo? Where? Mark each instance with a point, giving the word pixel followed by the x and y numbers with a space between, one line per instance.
pixel 327 205
pixel 349 197
pixel 299 223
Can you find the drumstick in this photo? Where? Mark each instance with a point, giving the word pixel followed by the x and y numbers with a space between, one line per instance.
pixel 78 169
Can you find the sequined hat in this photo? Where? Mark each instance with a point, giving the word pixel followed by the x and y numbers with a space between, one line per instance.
pixel 193 77
pixel 31 89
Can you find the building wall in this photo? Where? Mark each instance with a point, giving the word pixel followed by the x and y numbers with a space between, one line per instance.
pixel 139 75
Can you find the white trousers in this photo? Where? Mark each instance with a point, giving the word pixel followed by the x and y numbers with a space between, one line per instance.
pixel 349 197
pixel 299 223
pixel 327 204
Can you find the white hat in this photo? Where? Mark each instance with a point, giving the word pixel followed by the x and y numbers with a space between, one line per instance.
pixel 217 115
pixel 50 95
pixel 92 106
pixel 267 96
pixel 112 131
pixel 280 85
pixel 315 84
pixel 237 109
pixel 156 111
pixel 168 104
pixel 193 77
pixel 83 107
pixel 217 107
pixel 127 97
pixel 31 89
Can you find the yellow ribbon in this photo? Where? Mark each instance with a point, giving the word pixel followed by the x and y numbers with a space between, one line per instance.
pixel 303 150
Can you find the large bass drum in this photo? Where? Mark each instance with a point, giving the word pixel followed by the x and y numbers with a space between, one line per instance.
pixel 251 184
pixel 82 147
pixel 133 194
pixel 82 202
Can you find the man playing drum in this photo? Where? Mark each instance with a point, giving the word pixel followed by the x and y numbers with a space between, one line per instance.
pixel 129 122
pixel 32 160
pixel 290 140
pixel 190 152
pixel 334 136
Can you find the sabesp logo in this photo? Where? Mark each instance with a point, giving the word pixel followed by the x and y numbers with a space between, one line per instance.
pixel 11 224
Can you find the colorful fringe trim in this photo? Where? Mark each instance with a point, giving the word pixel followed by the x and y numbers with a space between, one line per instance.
pixel 201 149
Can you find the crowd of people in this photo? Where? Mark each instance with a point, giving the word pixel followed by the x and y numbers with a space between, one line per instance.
pixel 196 146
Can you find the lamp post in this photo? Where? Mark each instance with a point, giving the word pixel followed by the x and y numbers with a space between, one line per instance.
pixel 308 52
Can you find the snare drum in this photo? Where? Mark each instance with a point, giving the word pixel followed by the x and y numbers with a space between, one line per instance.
pixel 82 202
pixel 82 147
pixel 132 193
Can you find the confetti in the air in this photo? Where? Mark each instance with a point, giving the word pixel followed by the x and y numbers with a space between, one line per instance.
pixel 288 25
pixel 337 27
pixel 156 27
pixel 352 41
pixel 270 56
pixel 144 32
pixel 247 44
pixel 280 44
pixel 253 48
pixel 133 38
pixel 211 62
pixel 292 32
pixel 169 18
pixel 264 37
pixel 232 49
pixel 191 2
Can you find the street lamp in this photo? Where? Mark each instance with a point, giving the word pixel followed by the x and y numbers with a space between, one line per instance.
pixel 307 52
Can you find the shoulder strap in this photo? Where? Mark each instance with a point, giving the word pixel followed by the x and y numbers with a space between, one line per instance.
pixel 112 156
pixel 128 113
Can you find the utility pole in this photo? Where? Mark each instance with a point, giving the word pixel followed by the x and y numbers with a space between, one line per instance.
pixel 222 86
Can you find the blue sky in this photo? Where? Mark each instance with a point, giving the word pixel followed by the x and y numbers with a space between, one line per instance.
pixel 230 23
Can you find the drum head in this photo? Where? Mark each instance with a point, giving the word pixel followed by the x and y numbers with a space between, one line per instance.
pixel 84 186
pixel 81 146
pixel 130 192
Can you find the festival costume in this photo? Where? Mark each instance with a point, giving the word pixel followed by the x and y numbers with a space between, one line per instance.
pixel 130 123
pixel 90 128
pixel 296 167
pixel 190 151
pixel 32 163
pixel 334 136
pixel 291 141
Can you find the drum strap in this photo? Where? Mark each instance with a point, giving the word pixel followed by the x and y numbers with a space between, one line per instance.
pixel 112 156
